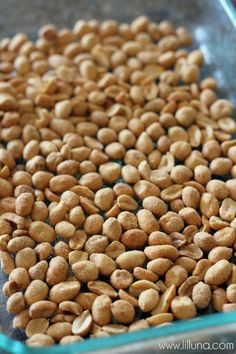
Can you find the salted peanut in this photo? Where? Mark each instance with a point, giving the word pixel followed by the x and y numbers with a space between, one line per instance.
pixel 16 303
pixel 101 310
pixel 171 222
pixel 161 251
pixel 59 330
pixel 225 236
pixel 86 300
pixel 209 205
pixel 24 204
pixel 144 274
pixel 144 189
pixel 183 307
pixel 191 197
pixel 64 291
pixel 19 242
pixel 21 277
pixel 155 205
pixel 101 288
pixel 134 239
pixel 175 275
pixel 231 293
pixel 35 326
pixel 161 318
pixel 217 188
pixel 130 259
pixel 219 253
pixel 42 308
pixel 43 250
pixel 38 271
pixel 165 300
pixel 25 258
pixel 65 229
pixel 127 220
pixel 187 263
pixel 96 244
pixel 112 229
pixel 36 291
pixel 114 249
pixel 41 232
pixel 125 202
pixel 122 311
pixel 219 298
pixel 82 324
pixel 70 306
pixel 201 295
pixel 61 183
pixel 104 198
pixel 147 222
pixel 105 264
pixel 141 285
pixel 217 223
pixel 202 174
pixel 227 210
pixel 93 224
pixel 7 262
pixel 40 340
pixel 121 279
pixel 57 270
pixel 218 273
pixel 76 216
pixel 70 339
pixel 21 319
pixel 159 238
pixel 85 271
pixel 159 266
pixel 148 300
pixel 137 325
pixel 204 240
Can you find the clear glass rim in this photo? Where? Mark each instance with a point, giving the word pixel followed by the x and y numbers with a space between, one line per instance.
pixel 230 10
pixel 89 345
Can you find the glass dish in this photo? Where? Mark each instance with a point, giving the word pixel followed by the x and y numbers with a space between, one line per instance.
pixel 212 24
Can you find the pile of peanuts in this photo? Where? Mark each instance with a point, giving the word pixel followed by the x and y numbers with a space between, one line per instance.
pixel 117 181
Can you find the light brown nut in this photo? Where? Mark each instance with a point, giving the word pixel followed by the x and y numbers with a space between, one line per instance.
pixel 41 232
pixel 145 274
pixel 21 319
pixel 85 271
pixel 25 258
pixel 160 265
pixel 65 229
pixel 16 303
pixel 137 325
pixel 24 204
pixel 104 263
pixel 96 244
pixel 148 300
pixel 220 252
pixel 183 307
pixel 71 307
pixel 114 249
pixel 40 340
pixel 147 221
pixel 114 328
pixel 7 262
pixel 171 222
pixel 204 240
pixel 101 310
pixel 231 293
pixel 64 291
pixel 125 202
pixel 36 291
pixel 219 298
pixel 43 308
pixel 38 325
pixel 59 330
pixel 155 205
pixel 101 288
pixel 38 271
pixel 85 300
pixel 160 318
pixel 201 295
pixel 21 277
pixel 122 311
pixel 121 279
pixel 219 273
pixel 141 285
pixel 112 229
pixel 187 287
pixel 162 251
pixel 82 324
pixel 165 300
pixel 228 209
pixel 134 239
pixel 57 270
pixel 175 275
pixel 62 183
pixel 70 339
pixel 130 259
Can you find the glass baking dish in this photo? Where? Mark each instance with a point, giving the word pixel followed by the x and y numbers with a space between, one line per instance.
pixel 212 24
